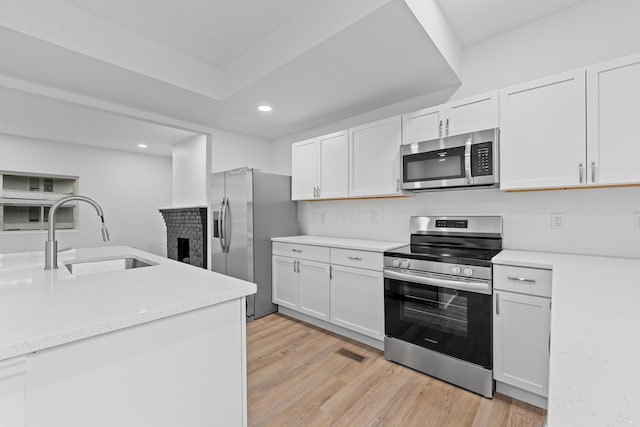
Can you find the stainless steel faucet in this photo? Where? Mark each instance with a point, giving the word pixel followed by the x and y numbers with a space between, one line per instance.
pixel 51 245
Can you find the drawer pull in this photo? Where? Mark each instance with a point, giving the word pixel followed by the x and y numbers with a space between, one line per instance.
pixel 521 279
pixel 297 250
pixel 355 258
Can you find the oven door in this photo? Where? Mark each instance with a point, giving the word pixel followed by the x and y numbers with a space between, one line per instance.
pixel 451 321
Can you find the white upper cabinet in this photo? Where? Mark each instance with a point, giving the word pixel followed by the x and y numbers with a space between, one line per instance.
pixel 472 114
pixel 334 168
pixel 454 118
pixel 374 151
pixel 422 125
pixel 319 167
pixel 305 169
pixel 543 133
pixel 613 110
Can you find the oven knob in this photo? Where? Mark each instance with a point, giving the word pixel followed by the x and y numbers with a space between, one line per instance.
pixel 455 269
pixel 395 262
pixel 468 271
pixel 404 263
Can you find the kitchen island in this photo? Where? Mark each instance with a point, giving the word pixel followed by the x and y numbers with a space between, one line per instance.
pixel 160 345
pixel 595 337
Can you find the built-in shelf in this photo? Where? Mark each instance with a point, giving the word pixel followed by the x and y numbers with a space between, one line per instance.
pixel 25 200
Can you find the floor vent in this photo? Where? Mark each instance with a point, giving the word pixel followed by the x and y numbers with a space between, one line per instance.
pixel 351 355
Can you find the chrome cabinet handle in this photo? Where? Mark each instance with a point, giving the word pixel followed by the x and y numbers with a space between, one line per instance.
pixel 593 172
pixel 355 258
pixel 398 185
pixel 497 304
pixel 440 129
pixel 297 250
pixel 521 279
pixel 315 193
pixel 581 171
pixel 447 128
pixel 318 191
pixel 330 272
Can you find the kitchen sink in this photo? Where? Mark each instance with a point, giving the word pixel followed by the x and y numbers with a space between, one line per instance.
pixel 105 265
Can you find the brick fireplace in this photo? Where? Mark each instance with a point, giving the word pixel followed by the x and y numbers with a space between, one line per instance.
pixel 187 234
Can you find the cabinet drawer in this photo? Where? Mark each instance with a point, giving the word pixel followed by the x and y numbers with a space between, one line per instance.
pixel 530 281
pixel 358 259
pixel 309 252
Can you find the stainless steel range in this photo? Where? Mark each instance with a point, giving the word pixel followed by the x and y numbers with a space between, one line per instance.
pixel 437 299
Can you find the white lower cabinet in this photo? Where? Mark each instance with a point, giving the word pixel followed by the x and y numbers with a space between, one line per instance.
pixel 183 370
pixel 521 329
pixel 285 281
pixel 331 288
pixel 357 300
pixel 12 392
pixel 313 289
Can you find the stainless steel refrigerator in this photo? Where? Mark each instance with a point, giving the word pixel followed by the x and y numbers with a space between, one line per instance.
pixel 248 208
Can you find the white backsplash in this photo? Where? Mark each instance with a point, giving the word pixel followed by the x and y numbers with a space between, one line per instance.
pixel 596 221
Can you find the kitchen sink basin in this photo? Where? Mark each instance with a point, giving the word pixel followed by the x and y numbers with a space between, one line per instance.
pixel 105 265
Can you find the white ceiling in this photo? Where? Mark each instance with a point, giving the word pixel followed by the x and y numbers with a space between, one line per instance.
pixel 476 20
pixel 41 117
pixel 211 62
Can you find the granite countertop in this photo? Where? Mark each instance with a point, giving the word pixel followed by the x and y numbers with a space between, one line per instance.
pixel 595 337
pixel 341 242
pixel 41 309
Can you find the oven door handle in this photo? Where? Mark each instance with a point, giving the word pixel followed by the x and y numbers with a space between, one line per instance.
pixel 471 286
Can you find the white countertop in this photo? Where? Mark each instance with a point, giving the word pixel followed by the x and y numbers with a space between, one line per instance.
pixel 41 309
pixel 341 242
pixel 594 372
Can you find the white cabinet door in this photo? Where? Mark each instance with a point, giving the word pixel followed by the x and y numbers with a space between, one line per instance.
pixel 543 133
pixel 613 109
pixel 12 392
pixel 472 114
pixel 313 288
pixel 374 151
pixel 357 300
pixel 521 327
pixel 285 281
pixel 334 171
pixel 422 125
pixel 305 169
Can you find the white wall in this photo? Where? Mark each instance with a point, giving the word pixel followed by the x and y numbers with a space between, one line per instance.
pixel 130 188
pixel 233 150
pixel 190 168
pixel 597 221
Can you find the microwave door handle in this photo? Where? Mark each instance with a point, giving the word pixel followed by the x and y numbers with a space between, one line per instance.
pixel 467 160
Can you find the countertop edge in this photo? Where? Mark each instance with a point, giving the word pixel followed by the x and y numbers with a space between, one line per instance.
pixel 341 242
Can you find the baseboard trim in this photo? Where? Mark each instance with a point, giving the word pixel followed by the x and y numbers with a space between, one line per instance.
pixel 523 395
pixel 333 328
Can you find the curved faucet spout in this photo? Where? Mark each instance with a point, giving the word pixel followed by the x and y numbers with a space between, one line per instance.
pixel 51 245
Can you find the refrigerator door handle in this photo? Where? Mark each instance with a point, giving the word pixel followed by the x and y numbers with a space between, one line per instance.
pixel 219 224
pixel 227 226
pixel 223 225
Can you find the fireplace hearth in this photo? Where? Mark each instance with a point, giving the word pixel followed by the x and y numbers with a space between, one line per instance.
pixel 187 234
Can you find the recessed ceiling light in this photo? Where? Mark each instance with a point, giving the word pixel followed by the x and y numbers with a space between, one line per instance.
pixel 142 145
pixel 265 108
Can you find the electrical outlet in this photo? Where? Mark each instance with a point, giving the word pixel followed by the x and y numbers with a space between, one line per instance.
pixel 374 217
pixel 557 221
pixel 636 220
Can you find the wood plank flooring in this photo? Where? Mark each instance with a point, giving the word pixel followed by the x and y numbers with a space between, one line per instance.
pixel 300 375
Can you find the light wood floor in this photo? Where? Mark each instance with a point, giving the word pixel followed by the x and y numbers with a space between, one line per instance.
pixel 298 377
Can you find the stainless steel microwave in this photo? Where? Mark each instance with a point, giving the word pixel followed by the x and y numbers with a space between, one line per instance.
pixel 453 162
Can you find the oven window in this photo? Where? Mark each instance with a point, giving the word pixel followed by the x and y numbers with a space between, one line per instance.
pixel 442 309
pixel 449 321
pixel 434 165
